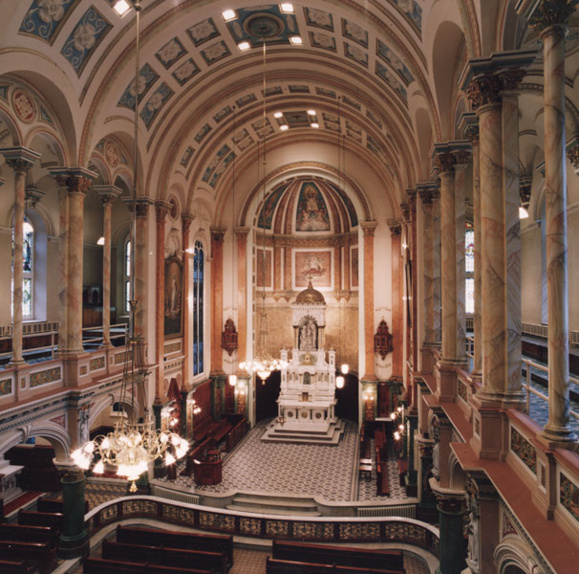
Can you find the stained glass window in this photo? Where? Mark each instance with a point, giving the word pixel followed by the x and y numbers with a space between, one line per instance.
pixel 469 269
pixel 198 307
pixel 127 272
pixel 27 270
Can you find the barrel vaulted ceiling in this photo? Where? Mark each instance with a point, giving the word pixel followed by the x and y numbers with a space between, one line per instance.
pixel 359 101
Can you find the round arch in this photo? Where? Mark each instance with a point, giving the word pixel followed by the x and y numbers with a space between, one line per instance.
pixel 54 433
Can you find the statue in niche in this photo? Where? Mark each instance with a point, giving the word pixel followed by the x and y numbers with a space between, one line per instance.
pixel 308 336
pixel 472 528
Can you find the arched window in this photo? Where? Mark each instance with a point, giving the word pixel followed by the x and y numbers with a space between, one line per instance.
pixel 198 307
pixel 27 270
pixel 127 276
pixel 469 269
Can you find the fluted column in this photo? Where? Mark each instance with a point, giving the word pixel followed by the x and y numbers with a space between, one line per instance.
pixel 161 210
pixel 77 180
pixel 108 195
pixel 241 235
pixel 368 228
pixel 397 303
pixel 471 131
pixel 551 18
pixel 216 300
pixel 186 220
pixel 20 159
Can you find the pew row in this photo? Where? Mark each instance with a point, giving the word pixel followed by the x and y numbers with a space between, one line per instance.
pixel 102 566
pixel 24 533
pixel 392 560
pixel 175 539
pixel 212 562
pixel 275 566
pixel 41 555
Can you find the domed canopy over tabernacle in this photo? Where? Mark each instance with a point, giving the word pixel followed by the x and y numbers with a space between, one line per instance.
pixel 310 296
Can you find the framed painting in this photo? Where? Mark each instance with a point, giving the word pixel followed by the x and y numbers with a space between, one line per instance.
pixel 264 268
pixel 173 297
pixel 315 265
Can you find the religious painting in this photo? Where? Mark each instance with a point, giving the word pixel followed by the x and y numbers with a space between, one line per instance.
pixel 312 211
pixel 173 297
pixel 313 265
pixel 264 270
pixel 354 266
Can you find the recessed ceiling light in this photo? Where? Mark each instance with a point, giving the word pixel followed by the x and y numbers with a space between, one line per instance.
pixel 283 127
pixel 229 15
pixel 315 125
pixel 297 40
pixel 311 112
pixel 278 114
pixel 121 7
pixel 243 46
pixel 287 8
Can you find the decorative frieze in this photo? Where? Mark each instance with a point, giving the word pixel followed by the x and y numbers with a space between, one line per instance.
pixel 524 450
pixel 569 496
pixel 44 377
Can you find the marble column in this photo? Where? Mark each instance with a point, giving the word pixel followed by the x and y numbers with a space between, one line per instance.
pixel 368 228
pixel 186 221
pixel 436 271
pixel 241 235
pixel 108 195
pixel 20 159
pixel 77 180
pixel 217 322
pixel 397 303
pixel 551 18
pixel 73 540
pixel 162 208
pixel 469 125
pixel 450 510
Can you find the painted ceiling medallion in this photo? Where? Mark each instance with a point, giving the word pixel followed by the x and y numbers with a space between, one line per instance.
pixel 263 25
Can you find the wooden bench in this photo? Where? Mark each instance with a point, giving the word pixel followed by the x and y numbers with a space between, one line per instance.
pixel 235 435
pixel 50 519
pixel 277 566
pixel 102 566
pixel 339 555
pixel 25 533
pixel 39 554
pixel 213 562
pixel 382 481
pixel 15 567
pixel 174 539
pixel 55 505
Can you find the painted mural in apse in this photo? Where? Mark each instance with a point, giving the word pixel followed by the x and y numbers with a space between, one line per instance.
pixel 314 265
pixel 312 211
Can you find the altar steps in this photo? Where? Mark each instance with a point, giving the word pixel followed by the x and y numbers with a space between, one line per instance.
pixel 287 433
pixel 277 505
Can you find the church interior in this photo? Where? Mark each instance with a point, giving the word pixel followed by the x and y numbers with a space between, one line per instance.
pixel 287 288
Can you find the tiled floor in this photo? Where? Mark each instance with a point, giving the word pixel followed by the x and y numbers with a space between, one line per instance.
pixel 324 471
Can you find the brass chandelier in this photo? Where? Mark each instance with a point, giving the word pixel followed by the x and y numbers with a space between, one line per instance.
pixel 133 444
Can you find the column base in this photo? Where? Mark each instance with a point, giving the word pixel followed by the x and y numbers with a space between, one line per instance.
pixel 427 360
pixel 490 428
pixel 73 547
pixel 446 381
pixel 557 437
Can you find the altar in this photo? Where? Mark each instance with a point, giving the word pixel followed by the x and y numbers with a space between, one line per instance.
pixel 307 399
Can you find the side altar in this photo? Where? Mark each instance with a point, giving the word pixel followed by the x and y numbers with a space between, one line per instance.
pixel 307 399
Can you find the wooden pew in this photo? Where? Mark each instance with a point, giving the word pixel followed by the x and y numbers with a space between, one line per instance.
pixel 39 554
pixel 235 435
pixel 382 482
pixel 214 562
pixel 15 567
pixel 277 566
pixel 102 566
pixel 50 519
pixel 25 533
pixel 174 539
pixel 54 505
pixel 339 555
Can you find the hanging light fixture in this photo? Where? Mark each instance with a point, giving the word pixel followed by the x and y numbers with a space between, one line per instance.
pixel 262 364
pixel 344 367
pixel 133 444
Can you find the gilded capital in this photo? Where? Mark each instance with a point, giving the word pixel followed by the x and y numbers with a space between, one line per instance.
pixel 553 14
pixel 484 90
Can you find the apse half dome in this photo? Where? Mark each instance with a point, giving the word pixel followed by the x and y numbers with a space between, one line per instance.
pixel 307 206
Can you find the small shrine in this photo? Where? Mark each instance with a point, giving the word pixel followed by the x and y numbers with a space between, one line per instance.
pixel 307 401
